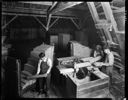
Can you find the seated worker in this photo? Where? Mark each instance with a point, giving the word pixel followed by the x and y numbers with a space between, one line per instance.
pixel 107 65
pixel 98 51
pixel 44 67
pixel 98 55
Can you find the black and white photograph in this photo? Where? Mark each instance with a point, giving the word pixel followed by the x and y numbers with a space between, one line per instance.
pixel 63 49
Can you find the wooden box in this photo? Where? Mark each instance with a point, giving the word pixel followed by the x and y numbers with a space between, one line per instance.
pixel 72 87
pixel 80 50
pixel 96 87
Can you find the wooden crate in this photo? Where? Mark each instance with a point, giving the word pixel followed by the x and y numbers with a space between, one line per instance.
pixel 82 88
pixel 80 50
pixel 72 87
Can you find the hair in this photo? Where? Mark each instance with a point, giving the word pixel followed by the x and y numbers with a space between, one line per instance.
pixel 98 46
pixel 41 54
pixel 107 47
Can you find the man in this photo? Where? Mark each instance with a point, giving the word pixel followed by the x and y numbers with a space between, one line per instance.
pixel 107 65
pixel 98 51
pixel 44 67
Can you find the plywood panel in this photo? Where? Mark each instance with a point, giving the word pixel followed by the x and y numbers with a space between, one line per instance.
pixel 63 40
pixel 80 50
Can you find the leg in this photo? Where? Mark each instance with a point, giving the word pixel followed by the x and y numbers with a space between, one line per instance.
pixel 41 85
pixel 109 71
pixel 45 87
pixel 103 69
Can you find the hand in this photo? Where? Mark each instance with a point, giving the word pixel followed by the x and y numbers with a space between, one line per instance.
pixel 46 74
pixel 65 74
pixel 98 64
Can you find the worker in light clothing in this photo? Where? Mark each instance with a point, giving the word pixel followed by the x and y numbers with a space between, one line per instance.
pixel 107 65
pixel 44 67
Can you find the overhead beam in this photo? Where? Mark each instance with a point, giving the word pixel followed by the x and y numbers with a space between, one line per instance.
pixel 29 11
pixel 39 22
pixel 75 24
pixel 9 21
pixel 38 15
pixel 62 6
pixel 54 22
pixel 109 14
pixel 93 11
pixel 39 3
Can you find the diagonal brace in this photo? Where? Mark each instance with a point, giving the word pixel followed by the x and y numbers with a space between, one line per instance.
pixel 9 22
pixel 39 22
pixel 75 23
pixel 54 22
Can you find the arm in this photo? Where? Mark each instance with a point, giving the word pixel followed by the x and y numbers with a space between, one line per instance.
pixel 49 62
pixel 111 60
pixel 38 68
pixel 95 59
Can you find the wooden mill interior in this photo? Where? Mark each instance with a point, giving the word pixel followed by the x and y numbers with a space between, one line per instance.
pixel 64 31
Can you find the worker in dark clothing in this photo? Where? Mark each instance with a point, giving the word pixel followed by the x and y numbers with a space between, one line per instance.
pixel 98 51
pixel 44 67
pixel 107 65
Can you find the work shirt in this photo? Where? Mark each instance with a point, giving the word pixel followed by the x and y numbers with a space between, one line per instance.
pixel 109 61
pixel 49 62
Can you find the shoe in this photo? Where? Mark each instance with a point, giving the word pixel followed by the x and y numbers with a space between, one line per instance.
pixel 46 94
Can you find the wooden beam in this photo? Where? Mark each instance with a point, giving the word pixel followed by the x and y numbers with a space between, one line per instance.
pixel 38 15
pixel 39 22
pixel 62 6
pixel 9 22
pixel 109 14
pixel 93 11
pixel 54 22
pixel 119 10
pixel 48 21
pixel 75 24
pixel 98 6
pixel 53 5
pixel 39 3
pixel 114 7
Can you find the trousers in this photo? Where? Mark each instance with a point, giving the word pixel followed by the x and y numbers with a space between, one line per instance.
pixel 109 71
pixel 42 84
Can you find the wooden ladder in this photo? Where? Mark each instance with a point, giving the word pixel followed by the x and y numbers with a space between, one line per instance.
pixel 104 20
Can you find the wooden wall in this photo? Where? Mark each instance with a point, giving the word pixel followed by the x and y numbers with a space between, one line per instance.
pixel 87 35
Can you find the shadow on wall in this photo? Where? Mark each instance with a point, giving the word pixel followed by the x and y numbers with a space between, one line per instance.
pixel 23 48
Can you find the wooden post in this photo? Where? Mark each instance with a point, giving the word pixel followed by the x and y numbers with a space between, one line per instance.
pixel 19 76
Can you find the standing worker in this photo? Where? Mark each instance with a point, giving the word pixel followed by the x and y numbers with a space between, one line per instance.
pixel 107 65
pixel 44 67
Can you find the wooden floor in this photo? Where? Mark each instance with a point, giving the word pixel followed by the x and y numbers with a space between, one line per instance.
pixel 116 92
